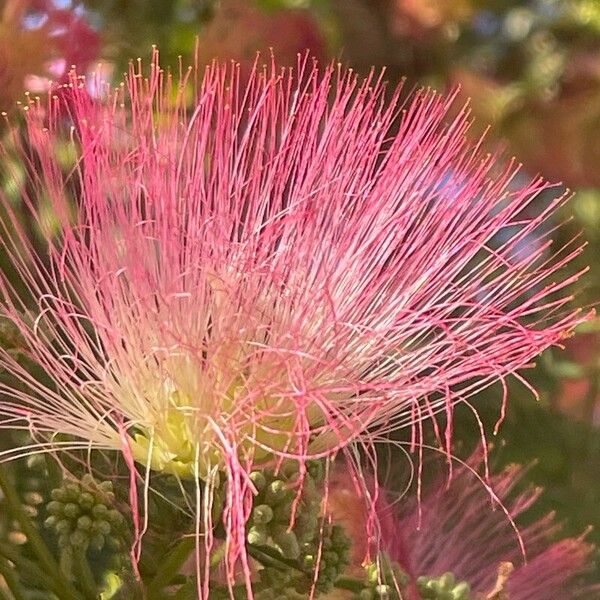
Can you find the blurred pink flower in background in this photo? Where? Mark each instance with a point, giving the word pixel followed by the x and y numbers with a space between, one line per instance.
pixel 464 527
pixel 293 266
pixel 578 395
pixel 39 43
pixel 240 29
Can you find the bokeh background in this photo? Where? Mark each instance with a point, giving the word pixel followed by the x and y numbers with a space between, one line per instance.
pixel 530 68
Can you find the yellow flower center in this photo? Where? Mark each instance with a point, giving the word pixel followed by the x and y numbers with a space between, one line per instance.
pixel 184 442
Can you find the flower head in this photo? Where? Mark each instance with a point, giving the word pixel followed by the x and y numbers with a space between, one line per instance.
pixel 284 270
pixel 472 530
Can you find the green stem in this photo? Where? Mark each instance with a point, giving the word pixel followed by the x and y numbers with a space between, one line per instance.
pixel 170 567
pixel 348 583
pixel 54 472
pixel 34 539
pixel 32 569
pixel 86 579
pixel 11 579
pixel 272 556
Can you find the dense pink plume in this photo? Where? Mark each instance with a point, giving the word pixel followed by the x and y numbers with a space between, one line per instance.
pixel 469 527
pixel 459 528
pixel 279 271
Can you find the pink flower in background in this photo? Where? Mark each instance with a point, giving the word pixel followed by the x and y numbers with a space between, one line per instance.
pixel 463 531
pixel 464 527
pixel 290 268
pixel 39 43
pixel 240 29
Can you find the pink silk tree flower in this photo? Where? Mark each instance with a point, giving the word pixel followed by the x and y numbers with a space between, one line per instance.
pixel 470 528
pixel 283 271
pixel 462 530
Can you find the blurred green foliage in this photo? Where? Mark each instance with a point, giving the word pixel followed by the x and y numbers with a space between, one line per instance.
pixel 129 27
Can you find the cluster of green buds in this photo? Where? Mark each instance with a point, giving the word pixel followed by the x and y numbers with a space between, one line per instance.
pixel 385 580
pixel 298 551
pixel 82 516
pixel 320 564
pixel 269 524
pixel 334 546
pixel 444 587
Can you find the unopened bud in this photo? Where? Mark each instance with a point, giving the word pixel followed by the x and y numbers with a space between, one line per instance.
pixel 258 479
pixel 71 510
pixel 275 492
pixel 257 535
pixel 262 514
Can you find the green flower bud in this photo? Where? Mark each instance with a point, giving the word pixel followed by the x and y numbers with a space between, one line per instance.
pixel 55 507
pixel 63 526
pixel 100 511
pixel 289 469
pixel 51 521
pixel 86 500
pixel 259 480
pixel 462 591
pixel 444 587
pixel 262 514
pixel 114 517
pixel 71 510
pixel 372 573
pixel 330 573
pixel 257 535
pixel 447 581
pixel 88 481
pixel 307 525
pixel 106 487
pixel 84 523
pixel 102 527
pixel 33 483
pixel 58 495
pixel 275 492
pixel 339 538
pixel 72 491
pixel 33 498
pixel 80 516
pixel 383 591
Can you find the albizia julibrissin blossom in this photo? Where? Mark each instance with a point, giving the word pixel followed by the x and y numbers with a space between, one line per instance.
pixel 470 528
pixel 277 272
